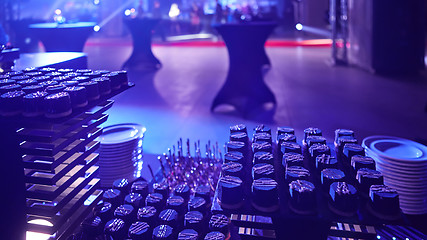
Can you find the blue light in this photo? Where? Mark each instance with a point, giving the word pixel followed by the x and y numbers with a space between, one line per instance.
pixel 96 2
pixel 299 26
pixel 394 238
pixel 96 28
pixel 378 237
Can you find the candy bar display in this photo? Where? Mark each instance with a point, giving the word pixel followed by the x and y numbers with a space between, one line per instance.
pixel 302 181
pixel 52 130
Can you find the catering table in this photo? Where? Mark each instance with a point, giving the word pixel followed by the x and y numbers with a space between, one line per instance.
pixel 74 60
pixel 65 37
pixel 142 57
pixel 244 87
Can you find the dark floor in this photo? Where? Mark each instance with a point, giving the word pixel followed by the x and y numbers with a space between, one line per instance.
pixel 174 102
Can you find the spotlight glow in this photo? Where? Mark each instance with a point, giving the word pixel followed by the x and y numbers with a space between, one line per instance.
pixel 299 26
pixel 127 12
pixel 36 235
pixel 58 11
pixel 96 28
pixel 96 2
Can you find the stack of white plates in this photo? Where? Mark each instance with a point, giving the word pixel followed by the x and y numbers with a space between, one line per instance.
pixel 120 152
pixel 404 166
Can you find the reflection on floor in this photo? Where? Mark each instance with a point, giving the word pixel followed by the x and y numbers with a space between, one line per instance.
pixel 174 102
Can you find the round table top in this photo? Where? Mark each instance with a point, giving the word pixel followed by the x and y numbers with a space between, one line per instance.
pixel 62 25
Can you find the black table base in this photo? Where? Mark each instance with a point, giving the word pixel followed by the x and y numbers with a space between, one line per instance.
pixel 142 57
pixel 244 87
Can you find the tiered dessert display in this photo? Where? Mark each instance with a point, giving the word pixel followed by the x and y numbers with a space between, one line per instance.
pixel 50 121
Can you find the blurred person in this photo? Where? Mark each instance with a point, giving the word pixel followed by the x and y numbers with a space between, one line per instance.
pixel 195 15
pixel 174 13
pixel 218 12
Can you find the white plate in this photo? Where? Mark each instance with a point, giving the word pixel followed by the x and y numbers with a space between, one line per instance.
pixel 410 171
pixel 121 133
pixel 408 186
pixel 399 149
pixel 110 147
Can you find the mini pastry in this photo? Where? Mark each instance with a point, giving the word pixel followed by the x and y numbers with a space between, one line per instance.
pixel 134 199
pixel 219 223
pixel 285 130
pixel 34 104
pixel 296 173
pixel 263 157
pixel 58 105
pixel 288 147
pixel 238 128
pixel 176 203
pixel 330 175
pixel 230 192
pixel 194 220
pixel 163 232
pixel 325 161
pixel 11 103
pixel 232 169
pixel 286 138
pixel 262 170
pixel 265 196
pixel 261 147
pixel 302 197
pixel 139 230
pixel 116 228
pixel 169 217
pixel 292 159
pixel 188 234
pixel 78 96
pixel 344 199
pixel 358 162
pixel 368 177
pixel 147 214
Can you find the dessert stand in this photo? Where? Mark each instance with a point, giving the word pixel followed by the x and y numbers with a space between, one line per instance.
pixel 49 168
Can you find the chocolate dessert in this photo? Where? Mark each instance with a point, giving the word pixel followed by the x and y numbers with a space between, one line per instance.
pixel 231 192
pixel 92 90
pixel 343 198
pixel 219 223
pixel 232 169
pixel 292 159
pixel 263 157
pixel 169 217
pixel 265 196
pixel 326 161
pixel 293 173
pixel 11 103
pixel 194 220
pixel 285 130
pixel 238 128
pixel 358 162
pixel 302 197
pixel 115 228
pixel 330 175
pixel 262 147
pixel 368 177
pixel 163 232
pixel 147 214
pixel 34 104
pixel 134 199
pixel 139 231
pixel 188 234
pixel 262 170
pixel 288 147
pixel 78 96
